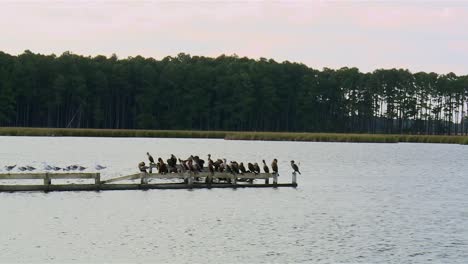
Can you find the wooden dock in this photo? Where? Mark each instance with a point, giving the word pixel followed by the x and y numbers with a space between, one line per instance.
pixel 203 180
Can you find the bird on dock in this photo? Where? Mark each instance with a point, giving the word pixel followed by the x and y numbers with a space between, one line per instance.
pixel 172 161
pixel 265 167
pixel 142 167
pixel 30 168
pixel 274 166
pixel 162 168
pixel 217 165
pixel 295 167
pixel 81 168
pixel 251 167
pixel 242 168
pixel 99 167
pixel 150 158
pixel 235 167
pixel 211 166
pixel 256 168
pixel 22 168
pixel 9 168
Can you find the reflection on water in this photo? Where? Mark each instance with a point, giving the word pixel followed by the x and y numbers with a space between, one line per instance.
pixel 378 203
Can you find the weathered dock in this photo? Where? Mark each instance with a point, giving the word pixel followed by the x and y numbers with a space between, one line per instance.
pixel 188 180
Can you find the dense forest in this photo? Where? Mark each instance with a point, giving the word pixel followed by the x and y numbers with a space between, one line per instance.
pixel 225 93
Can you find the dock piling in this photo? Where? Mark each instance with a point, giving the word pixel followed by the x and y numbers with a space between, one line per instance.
pixel 275 178
pixel 294 178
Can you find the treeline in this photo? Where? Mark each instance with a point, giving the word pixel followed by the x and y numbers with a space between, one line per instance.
pixel 225 93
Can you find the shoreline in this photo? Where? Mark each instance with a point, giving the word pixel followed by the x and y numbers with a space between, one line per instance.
pixel 233 135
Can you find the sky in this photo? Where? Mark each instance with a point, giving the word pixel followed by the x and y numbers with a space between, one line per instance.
pixel 415 35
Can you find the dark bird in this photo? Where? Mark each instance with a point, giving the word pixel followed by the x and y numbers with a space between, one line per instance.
pixel 235 167
pixel 9 168
pixel 56 168
pixel 22 168
pixel 217 164
pixel 150 158
pixel 295 167
pixel 265 167
pixel 99 167
pixel 30 168
pixel 274 166
pixel 162 168
pixel 211 166
pixel 256 168
pixel 251 167
pixel 81 168
pixel 172 161
pixel 242 168
pixel 142 167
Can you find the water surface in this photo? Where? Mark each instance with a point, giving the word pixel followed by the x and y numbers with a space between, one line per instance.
pixel 359 203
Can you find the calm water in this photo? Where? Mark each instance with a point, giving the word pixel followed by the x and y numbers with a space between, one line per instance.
pixel 359 203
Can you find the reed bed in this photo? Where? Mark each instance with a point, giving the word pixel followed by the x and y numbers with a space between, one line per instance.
pixel 229 135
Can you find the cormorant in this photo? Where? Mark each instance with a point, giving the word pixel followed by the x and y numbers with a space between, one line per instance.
pixel 265 167
pixel 162 168
pixel 274 166
pixel 251 167
pixel 256 168
pixel 150 158
pixel 242 168
pixel 295 167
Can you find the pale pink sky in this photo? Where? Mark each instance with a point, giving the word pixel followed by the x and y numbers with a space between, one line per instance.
pixel 418 35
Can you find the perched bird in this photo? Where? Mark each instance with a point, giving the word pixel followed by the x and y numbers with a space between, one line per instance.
pixel 256 168
pixel 265 167
pixel 150 158
pixel 9 168
pixel 242 168
pixel 22 168
pixel 142 167
pixel 81 168
pixel 211 166
pixel 235 167
pixel 172 161
pixel 295 167
pixel 30 168
pixel 162 168
pixel 99 167
pixel 251 167
pixel 274 166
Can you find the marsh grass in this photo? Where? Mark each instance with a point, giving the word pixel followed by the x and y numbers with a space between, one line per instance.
pixel 229 135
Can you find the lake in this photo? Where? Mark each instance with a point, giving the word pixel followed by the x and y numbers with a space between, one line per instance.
pixel 355 203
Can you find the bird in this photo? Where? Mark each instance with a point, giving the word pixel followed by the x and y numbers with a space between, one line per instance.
pixel 256 168
pixel 162 168
pixel 235 167
pixel 265 167
pixel 9 168
pixel 100 167
pixel 295 167
pixel 142 167
pixel 30 168
pixel 81 168
pixel 242 168
pixel 274 166
pixel 150 158
pixel 22 168
pixel 251 167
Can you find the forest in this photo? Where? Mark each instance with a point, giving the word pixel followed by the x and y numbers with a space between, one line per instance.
pixel 227 93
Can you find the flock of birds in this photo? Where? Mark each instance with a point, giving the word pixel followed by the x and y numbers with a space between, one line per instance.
pixel 195 164
pixel 47 167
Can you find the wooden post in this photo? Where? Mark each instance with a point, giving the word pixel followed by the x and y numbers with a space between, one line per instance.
pixel 275 178
pixel 190 179
pixel 47 180
pixel 234 179
pixel 294 180
pixel 97 180
pixel 143 178
pixel 267 180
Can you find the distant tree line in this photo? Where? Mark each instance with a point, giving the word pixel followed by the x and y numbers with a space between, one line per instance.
pixel 225 93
